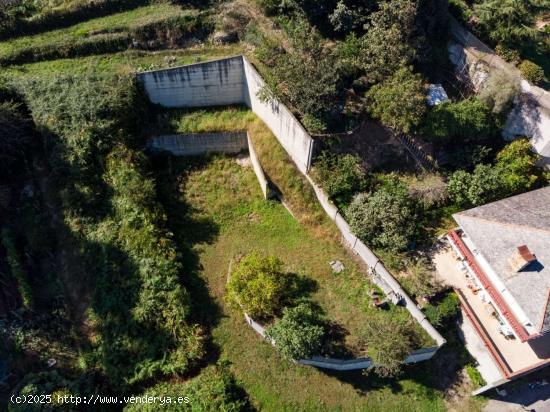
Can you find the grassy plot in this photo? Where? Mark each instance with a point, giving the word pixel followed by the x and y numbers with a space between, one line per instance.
pixel 216 208
pixel 123 62
pixel 116 23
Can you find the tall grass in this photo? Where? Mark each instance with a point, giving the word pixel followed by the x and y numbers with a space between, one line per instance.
pixel 282 172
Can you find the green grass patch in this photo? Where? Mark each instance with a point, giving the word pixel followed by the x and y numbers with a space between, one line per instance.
pixel 115 23
pixel 125 62
pixel 217 209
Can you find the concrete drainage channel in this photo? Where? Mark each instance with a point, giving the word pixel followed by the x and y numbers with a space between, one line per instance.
pixel 235 81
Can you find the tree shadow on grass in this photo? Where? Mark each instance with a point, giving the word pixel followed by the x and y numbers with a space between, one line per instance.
pixel 189 229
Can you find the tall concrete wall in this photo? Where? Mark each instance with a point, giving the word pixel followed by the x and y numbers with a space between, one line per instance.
pixel 215 83
pixel 195 144
pixel 290 133
pixel 531 113
pixel 229 81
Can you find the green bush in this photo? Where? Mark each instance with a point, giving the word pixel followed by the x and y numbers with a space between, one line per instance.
pixel 383 218
pixel 532 72
pixel 444 310
pixel 259 285
pixel 388 343
pixel 510 55
pixel 500 91
pixel 399 101
pixel 475 376
pixel 299 333
pixel 110 206
pixel 468 120
pixel 518 162
pixel 341 176
pixel 485 184
pixel 215 389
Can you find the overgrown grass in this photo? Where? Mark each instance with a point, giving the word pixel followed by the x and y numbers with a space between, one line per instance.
pixel 123 62
pixel 116 23
pixel 228 197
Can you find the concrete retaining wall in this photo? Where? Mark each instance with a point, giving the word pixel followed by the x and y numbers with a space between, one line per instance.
pixel 375 264
pixel 229 81
pixel 531 114
pixel 290 133
pixel 299 146
pixel 418 355
pixel 258 169
pixel 203 143
pixel 215 83
pixel 200 143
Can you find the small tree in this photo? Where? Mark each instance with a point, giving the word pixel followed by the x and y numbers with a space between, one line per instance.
pixel 510 22
pixel 419 278
pixel 388 344
pixel 500 91
pixel 484 185
pixel 340 175
pixel 384 218
pixel 259 285
pixel 469 119
pixel 518 162
pixel 299 333
pixel 389 42
pixel 399 102
pixel 532 72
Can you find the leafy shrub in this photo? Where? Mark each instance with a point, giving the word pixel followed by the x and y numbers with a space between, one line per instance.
pixel 299 333
pixel 510 55
pixel 444 310
pixel 514 172
pixel 429 190
pixel 500 91
pixel 532 72
pixel 259 285
pixel 466 120
pixel 215 389
pixel 341 176
pixel 475 376
pixel 518 161
pixel 390 41
pixel 484 185
pixel 383 218
pixel 388 344
pixel 399 102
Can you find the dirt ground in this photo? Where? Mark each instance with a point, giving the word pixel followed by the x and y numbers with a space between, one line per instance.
pixel 379 150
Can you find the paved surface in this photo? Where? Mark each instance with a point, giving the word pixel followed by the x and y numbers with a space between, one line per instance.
pixel 521 399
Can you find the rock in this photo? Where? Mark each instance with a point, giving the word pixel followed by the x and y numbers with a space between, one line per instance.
pixel 337 266
pixel 222 37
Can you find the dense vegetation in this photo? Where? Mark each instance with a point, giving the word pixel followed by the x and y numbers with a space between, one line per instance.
pixel 103 268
